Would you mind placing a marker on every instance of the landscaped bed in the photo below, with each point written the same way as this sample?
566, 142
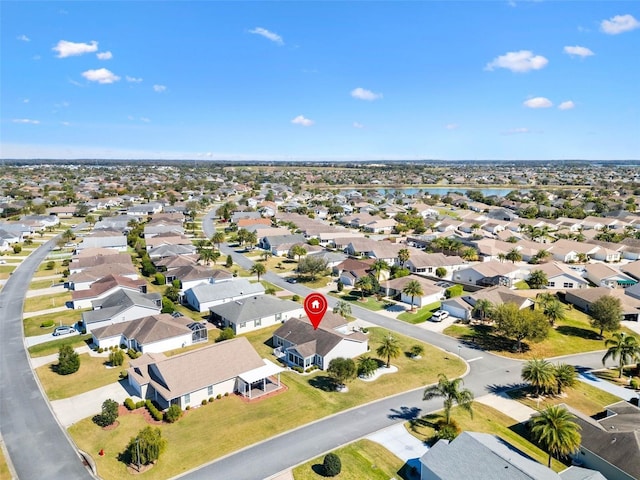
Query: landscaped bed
241, 423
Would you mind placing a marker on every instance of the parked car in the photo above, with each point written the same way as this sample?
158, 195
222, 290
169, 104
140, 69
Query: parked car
63, 330
292, 280
439, 315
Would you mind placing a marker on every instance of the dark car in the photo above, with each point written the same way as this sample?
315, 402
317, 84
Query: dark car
63, 330
292, 280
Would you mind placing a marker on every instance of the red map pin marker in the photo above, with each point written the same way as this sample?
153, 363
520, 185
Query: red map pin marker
315, 306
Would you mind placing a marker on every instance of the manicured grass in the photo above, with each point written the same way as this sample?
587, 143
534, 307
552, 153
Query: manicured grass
43, 302
242, 424
583, 397
613, 375
4, 468
361, 459
570, 336
354, 297
37, 284
67, 317
47, 273
49, 348
421, 315
485, 420
93, 373
268, 285
58, 266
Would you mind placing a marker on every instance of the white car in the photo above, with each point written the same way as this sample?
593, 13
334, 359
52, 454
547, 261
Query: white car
439, 315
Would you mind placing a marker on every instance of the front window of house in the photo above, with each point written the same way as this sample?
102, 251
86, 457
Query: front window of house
187, 399
210, 390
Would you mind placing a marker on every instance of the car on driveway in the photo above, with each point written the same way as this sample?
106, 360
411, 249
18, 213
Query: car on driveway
439, 315
63, 330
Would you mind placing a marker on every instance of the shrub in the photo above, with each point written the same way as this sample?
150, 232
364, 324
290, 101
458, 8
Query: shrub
203, 402
447, 431
173, 413
50, 265
116, 358
188, 407
295, 298
226, 334
635, 383
47, 324
210, 399
140, 404
331, 465
226, 394
101, 350
229, 262
66, 262
219, 396
454, 291
155, 413
68, 360
109, 413
270, 291
129, 404
17, 249
340, 286
146, 447
167, 306
133, 354
124, 374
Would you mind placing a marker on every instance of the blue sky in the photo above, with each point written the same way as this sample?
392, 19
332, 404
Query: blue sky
309, 80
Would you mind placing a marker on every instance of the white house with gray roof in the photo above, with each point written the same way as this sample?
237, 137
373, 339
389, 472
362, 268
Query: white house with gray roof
121, 306
207, 295
252, 313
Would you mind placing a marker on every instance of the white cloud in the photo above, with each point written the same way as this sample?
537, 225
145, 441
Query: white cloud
23, 38
26, 100
63, 104
71, 49
516, 131
567, 105
619, 24
159, 88
301, 120
26, 120
538, 102
357, 125
145, 119
451, 126
364, 94
133, 79
274, 37
579, 51
104, 55
101, 75
520, 61
66, 124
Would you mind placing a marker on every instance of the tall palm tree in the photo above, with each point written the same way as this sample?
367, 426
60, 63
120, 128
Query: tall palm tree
414, 289
389, 348
554, 311
378, 266
403, 256
540, 374
566, 376
342, 308
483, 308
258, 269
452, 393
218, 238
625, 348
298, 251
556, 431
365, 284
513, 255
502, 257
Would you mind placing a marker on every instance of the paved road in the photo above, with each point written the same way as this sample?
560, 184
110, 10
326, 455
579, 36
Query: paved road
38, 447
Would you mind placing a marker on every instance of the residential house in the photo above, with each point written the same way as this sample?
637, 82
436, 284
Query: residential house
431, 292
569, 251
80, 263
279, 245
104, 287
176, 261
63, 212
191, 377
144, 210
252, 313
604, 276
206, 295
462, 307
611, 444
85, 278
427, 263
560, 276
583, 298
152, 334
482, 456
489, 273
385, 225
350, 270
297, 343
164, 251
106, 238
166, 238
121, 306
191, 275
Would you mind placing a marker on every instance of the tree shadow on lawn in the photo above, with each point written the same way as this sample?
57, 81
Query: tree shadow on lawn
323, 382
578, 332
429, 420
483, 337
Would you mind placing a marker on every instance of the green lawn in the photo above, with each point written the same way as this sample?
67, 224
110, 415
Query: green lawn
32, 324
612, 375
44, 302
421, 315
570, 336
242, 424
370, 303
363, 459
93, 373
583, 397
38, 284
5, 474
49, 348
485, 420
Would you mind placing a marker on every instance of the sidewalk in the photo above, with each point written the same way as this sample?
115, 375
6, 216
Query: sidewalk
505, 404
45, 291
624, 393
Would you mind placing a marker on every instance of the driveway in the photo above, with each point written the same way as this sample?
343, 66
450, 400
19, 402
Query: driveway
401, 443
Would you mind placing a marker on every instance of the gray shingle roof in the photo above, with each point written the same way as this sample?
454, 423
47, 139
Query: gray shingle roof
121, 301
252, 308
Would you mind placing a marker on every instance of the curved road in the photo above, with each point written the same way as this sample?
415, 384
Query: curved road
487, 373
38, 446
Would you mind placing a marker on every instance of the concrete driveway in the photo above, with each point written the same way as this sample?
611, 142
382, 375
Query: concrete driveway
401, 443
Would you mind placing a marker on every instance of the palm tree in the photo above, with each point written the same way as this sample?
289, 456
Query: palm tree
364, 283
483, 308
452, 393
414, 289
206, 255
540, 374
389, 348
623, 347
298, 251
342, 308
537, 279
469, 254
502, 257
258, 269
218, 238
378, 266
566, 376
367, 366
556, 431
554, 311
513, 255
403, 256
